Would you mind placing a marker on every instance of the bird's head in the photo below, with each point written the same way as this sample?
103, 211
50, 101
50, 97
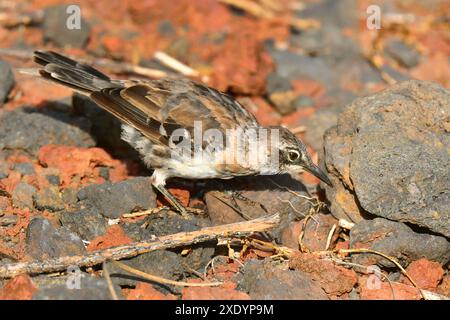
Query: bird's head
294, 157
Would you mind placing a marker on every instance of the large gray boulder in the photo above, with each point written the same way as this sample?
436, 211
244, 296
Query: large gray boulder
389, 156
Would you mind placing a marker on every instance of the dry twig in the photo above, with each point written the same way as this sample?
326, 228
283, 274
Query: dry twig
134, 249
109, 282
13, 19
174, 64
270, 12
330, 236
161, 280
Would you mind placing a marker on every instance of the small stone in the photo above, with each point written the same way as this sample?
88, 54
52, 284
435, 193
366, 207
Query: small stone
22, 195
114, 236
90, 288
41, 128
8, 220
317, 124
56, 30
5, 202
302, 102
88, 223
49, 199
387, 291
6, 81
113, 200
166, 28
162, 263
4, 169
69, 196
145, 291
275, 83
53, 179
406, 55
43, 241
18, 288
264, 280
397, 240
334, 280
283, 101
292, 66
24, 168
427, 274
444, 287
104, 173
336, 14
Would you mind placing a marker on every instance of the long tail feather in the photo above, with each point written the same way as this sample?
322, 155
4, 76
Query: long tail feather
68, 72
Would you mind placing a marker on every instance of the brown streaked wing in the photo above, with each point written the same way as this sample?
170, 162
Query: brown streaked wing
178, 103
111, 100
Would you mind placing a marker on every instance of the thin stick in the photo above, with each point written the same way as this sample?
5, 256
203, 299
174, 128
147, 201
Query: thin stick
109, 282
344, 224
137, 248
330, 236
144, 212
11, 20
259, 11
251, 7
298, 129
161, 280
174, 64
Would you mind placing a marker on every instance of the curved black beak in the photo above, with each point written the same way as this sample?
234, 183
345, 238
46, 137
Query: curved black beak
319, 173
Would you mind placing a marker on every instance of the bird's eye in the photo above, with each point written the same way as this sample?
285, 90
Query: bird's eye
293, 155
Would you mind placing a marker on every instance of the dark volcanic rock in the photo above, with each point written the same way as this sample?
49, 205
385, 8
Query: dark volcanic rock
168, 263
162, 263
317, 124
45, 241
291, 66
57, 31
86, 287
270, 192
280, 93
163, 223
4, 168
22, 196
114, 199
266, 281
397, 240
6, 81
29, 131
340, 14
283, 101
49, 199
404, 54
276, 83
25, 168
88, 223
389, 155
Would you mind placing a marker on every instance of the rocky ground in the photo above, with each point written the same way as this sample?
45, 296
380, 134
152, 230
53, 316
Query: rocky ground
372, 105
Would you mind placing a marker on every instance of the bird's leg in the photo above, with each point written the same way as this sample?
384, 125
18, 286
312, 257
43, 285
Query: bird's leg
172, 200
